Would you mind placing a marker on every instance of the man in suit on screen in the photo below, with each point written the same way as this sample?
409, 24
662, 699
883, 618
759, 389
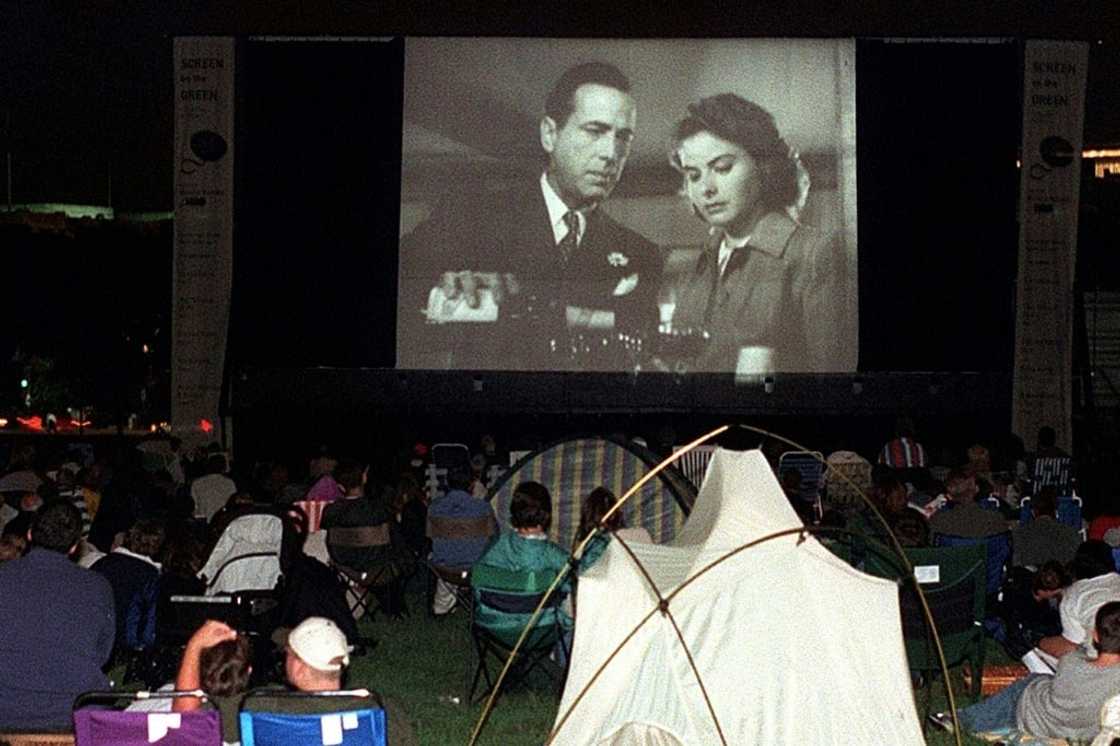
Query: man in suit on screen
549, 279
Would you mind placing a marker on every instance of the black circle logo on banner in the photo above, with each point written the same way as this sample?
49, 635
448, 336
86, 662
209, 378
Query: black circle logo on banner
1056, 151
208, 145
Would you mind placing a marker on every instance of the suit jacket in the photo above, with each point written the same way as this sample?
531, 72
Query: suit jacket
508, 232
785, 290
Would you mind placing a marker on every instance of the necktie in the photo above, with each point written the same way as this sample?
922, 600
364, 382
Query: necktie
570, 240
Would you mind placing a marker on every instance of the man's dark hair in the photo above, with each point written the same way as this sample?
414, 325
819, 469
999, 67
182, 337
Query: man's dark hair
223, 669
1093, 559
1046, 501
957, 477
216, 464
1108, 628
458, 478
561, 99
348, 473
531, 506
146, 537
57, 527
1052, 576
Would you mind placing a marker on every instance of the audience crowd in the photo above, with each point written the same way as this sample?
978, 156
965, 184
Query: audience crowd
95, 547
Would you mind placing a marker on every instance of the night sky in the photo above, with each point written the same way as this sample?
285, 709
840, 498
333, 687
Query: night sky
88, 86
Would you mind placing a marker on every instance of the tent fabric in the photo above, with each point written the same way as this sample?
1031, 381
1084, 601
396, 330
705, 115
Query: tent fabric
792, 644
572, 468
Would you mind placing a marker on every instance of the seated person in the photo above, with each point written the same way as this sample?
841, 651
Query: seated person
1096, 584
58, 626
1065, 705
1044, 539
457, 552
354, 509
525, 548
598, 504
964, 516
315, 660
215, 660
133, 573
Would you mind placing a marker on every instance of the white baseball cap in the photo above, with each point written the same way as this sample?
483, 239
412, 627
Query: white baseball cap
320, 644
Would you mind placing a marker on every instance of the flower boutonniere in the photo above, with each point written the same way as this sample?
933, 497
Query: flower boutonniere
617, 259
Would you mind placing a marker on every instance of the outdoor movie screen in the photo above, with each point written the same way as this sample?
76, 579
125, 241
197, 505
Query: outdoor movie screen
628, 205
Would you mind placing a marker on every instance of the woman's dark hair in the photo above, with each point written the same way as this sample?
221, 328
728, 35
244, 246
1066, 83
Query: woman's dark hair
752, 128
223, 669
595, 506
531, 506
349, 473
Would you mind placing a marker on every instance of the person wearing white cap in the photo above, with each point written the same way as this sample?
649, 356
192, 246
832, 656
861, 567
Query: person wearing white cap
317, 654
316, 658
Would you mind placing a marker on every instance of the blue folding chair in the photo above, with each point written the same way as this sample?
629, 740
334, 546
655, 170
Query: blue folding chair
1069, 513
810, 465
998, 553
339, 725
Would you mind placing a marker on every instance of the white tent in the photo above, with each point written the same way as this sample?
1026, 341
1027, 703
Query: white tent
792, 645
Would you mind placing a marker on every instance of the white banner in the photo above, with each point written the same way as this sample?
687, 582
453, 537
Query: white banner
1050, 181
203, 253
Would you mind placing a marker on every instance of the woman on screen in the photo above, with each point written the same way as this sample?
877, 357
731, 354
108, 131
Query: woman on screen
767, 292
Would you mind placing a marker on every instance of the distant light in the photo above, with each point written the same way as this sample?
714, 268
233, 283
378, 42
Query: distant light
35, 423
152, 428
145, 349
24, 383
206, 425
1101, 153
3, 421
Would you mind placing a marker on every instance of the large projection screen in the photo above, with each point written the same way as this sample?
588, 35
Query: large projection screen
740, 258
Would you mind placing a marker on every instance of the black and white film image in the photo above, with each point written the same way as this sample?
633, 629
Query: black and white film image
654, 205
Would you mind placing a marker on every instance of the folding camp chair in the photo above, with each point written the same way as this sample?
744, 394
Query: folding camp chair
1069, 513
954, 582
94, 726
457, 579
514, 595
694, 464
997, 553
382, 575
810, 466
1055, 471
342, 718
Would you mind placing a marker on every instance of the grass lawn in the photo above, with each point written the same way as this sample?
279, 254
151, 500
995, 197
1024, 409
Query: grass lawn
423, 662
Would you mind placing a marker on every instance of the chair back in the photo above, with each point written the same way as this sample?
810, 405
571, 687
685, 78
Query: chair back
333, 720
246, 556
447, 528
694, 464
1054, 471
514, 594
954, 582
359, 537
991, 502
810, 465
100, 727
848, 473
1069, 512
997, 552
313, 509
